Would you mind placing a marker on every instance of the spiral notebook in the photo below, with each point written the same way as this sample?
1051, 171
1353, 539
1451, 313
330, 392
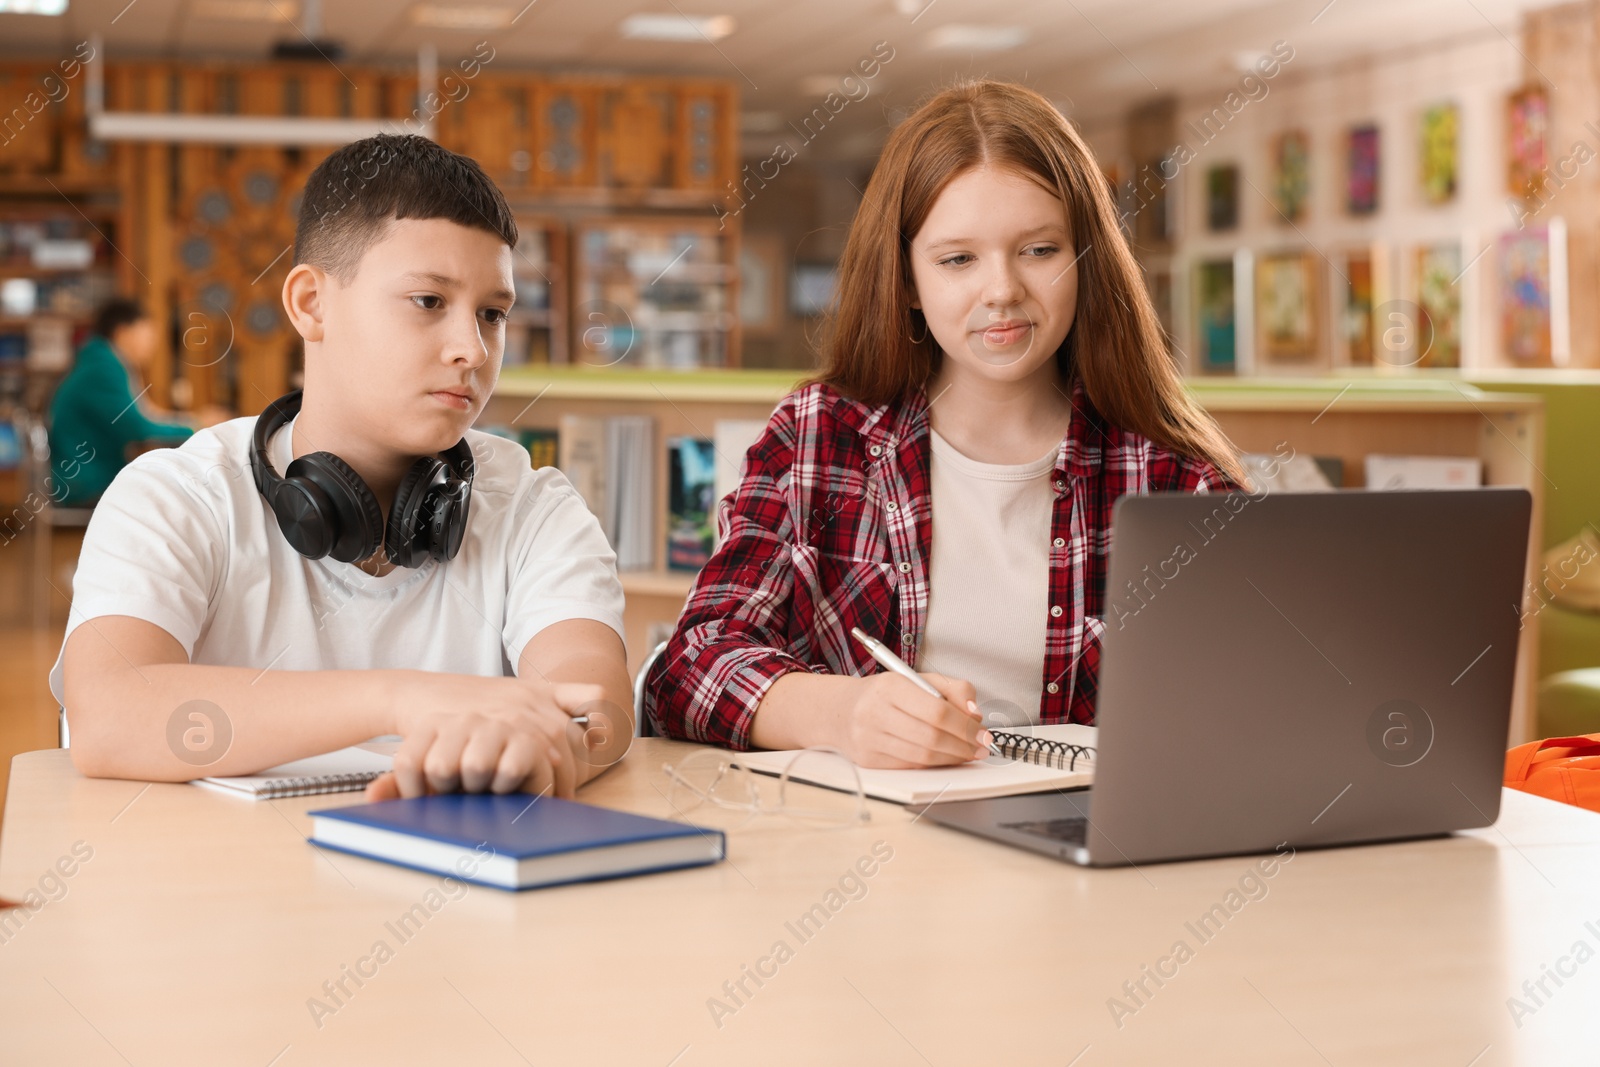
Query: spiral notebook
343, 771
1037, 760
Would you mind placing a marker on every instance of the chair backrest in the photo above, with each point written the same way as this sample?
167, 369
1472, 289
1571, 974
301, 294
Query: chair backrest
36, 438
46, 486
641, 725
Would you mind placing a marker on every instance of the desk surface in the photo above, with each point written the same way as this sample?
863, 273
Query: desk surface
202, 929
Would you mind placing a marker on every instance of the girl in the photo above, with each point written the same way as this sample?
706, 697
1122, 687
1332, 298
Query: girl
994, 374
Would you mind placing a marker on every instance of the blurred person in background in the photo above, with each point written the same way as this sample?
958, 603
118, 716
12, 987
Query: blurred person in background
96, 415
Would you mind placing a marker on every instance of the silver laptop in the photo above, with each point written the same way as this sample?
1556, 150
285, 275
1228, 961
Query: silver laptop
1303, 668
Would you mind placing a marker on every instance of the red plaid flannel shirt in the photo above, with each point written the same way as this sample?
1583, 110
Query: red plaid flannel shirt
831, 527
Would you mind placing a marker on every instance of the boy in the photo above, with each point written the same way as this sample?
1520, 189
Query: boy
214, 628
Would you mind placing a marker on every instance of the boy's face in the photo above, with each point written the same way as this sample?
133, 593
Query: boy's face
412, 345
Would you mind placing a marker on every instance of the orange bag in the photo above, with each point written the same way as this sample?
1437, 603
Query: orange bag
1560, 768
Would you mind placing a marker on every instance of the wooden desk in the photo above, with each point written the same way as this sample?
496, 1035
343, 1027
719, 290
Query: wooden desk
202, 926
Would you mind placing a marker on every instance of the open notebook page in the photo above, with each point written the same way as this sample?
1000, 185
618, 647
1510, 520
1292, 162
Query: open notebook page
993, 777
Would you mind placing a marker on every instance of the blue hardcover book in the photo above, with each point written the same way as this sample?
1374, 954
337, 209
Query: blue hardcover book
513, 840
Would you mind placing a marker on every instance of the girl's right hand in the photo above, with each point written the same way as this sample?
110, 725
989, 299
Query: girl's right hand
892, 723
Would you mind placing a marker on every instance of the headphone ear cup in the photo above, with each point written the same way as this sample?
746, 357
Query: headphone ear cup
355, 525
450, 523
406, 537
304, 514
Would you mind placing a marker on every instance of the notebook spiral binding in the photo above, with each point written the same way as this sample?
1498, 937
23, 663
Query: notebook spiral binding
322, 783
1040, 750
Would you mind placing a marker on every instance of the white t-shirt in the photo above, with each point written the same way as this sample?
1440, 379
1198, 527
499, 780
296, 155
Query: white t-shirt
989, 579
183, 540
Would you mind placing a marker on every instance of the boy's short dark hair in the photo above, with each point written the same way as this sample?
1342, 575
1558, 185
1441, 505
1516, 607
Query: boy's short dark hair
115, 313
352, 196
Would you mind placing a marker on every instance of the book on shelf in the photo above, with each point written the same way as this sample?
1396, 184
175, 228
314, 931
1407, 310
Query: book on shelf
630, 489
611, 462
543, 446
1423, 472
731, 439
50, 345
691, 463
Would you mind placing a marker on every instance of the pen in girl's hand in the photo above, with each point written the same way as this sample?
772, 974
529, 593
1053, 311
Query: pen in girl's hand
880, 652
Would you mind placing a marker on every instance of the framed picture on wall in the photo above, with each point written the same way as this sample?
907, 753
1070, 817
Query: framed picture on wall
1287, 309
1437, 282
811, 288
761, 284
1527, 129
1525, 296
1222, 198
1159, 280
1361, 185
1215, 336
1291, 159
1356, 289
1438, 176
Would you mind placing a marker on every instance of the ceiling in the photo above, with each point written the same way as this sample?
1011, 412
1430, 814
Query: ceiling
1093, 57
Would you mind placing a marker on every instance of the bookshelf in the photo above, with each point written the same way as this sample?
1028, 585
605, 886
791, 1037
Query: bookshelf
536, 329
57, 263
202, 230
655, 292
1346, 418
682, 405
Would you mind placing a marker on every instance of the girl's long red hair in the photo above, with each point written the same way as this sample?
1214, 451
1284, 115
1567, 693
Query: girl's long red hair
1116, 345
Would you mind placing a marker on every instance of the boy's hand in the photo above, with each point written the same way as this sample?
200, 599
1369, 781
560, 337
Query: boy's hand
487, 734
892, 723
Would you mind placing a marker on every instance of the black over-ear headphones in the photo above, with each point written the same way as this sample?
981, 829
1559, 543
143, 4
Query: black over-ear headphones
324, 508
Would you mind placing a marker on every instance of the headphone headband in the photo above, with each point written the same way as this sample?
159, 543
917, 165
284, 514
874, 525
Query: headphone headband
324, 508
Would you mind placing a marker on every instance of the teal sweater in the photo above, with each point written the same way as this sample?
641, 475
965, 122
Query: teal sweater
93, 419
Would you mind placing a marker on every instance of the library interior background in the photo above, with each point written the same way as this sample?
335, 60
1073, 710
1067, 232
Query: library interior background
1371, 230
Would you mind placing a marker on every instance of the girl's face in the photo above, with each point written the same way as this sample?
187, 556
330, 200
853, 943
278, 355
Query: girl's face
995, 273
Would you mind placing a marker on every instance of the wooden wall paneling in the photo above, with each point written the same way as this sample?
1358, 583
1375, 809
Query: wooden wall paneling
454, 121
202, 307
564, 134
401, 102
28, 122
119, 86
478, 124
520, 157
335, 96
365, 98
705, 142
261, 89
259, 180
492, 120
155, 231
324, 93
83, 161
131, 250
729, 119
637, 120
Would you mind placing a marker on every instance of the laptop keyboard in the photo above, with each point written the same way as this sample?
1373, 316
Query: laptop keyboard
1071, 831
